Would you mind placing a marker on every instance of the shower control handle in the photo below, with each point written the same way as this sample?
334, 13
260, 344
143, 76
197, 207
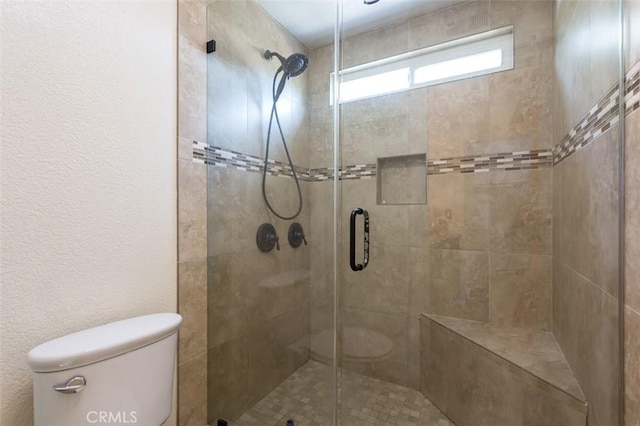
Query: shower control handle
296, 235
266, 238
352, 239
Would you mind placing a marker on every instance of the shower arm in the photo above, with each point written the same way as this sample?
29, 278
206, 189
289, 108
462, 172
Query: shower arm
269, 55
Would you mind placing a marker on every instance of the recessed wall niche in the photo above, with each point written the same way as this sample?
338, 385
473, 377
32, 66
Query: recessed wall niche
402, 180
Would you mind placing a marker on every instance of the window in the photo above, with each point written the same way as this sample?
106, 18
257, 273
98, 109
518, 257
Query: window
472, 56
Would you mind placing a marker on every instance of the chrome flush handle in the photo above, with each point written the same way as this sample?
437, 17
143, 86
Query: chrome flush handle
74, 385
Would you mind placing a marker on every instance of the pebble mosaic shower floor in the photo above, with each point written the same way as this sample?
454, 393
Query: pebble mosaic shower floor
306, 396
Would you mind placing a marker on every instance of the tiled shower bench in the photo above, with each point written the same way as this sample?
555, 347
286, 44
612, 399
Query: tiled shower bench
481, 374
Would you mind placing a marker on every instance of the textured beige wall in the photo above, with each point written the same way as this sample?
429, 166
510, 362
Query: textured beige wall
481, 248
88, 174
585, 191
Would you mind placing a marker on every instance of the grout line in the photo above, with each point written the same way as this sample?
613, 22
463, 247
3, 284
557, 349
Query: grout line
585, 278
183, 363
632, 309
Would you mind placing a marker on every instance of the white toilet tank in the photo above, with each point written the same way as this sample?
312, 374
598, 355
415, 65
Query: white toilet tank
115, 374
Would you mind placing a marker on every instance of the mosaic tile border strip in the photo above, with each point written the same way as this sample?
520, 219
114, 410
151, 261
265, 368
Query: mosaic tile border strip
357, 171
632, 89
508, 161
220, 157
602, 117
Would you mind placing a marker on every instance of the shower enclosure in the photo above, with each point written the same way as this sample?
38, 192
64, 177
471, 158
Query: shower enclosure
446, 246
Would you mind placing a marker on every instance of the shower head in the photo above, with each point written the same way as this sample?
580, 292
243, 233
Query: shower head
292, 66
295, 64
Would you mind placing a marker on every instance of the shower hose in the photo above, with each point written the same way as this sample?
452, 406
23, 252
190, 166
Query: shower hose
274, 113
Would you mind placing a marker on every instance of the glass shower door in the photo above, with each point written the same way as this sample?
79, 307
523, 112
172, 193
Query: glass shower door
488, 175
269, 158
383, 161
482, 140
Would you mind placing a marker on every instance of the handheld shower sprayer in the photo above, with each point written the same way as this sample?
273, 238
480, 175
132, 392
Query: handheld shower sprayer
292, 66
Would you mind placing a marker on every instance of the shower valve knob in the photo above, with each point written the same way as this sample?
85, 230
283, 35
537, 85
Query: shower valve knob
266, 238
296, 235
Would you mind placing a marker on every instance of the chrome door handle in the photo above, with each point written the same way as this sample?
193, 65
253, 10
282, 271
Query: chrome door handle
352, 239
73, 385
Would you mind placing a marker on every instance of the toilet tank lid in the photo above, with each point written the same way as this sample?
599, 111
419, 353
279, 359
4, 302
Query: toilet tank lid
102, 342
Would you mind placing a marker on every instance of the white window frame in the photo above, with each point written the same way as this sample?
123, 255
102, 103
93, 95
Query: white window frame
406, 65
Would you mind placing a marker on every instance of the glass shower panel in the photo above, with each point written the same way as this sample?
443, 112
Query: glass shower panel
383, 157
493, 206
492, 248
270, 285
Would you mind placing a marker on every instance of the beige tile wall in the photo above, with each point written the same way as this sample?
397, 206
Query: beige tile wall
321, 205
192, 211
489, 218
473, 386
258, 303
243, 80
632, 232
481, 247
586, 58
632, 34
239, 98
585, 201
